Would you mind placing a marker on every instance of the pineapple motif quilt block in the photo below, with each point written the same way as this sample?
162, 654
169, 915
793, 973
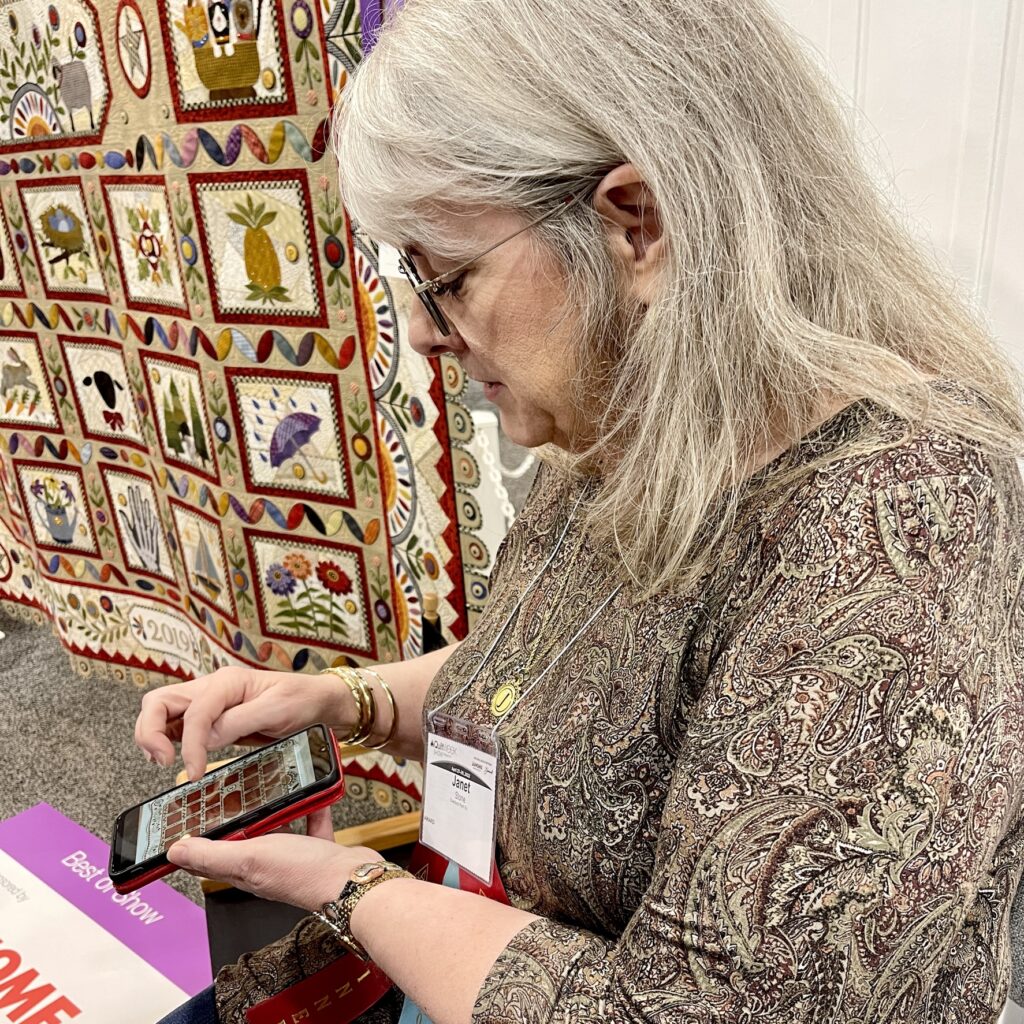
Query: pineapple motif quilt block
257, 247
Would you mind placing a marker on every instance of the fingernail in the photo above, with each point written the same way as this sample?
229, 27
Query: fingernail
181, 853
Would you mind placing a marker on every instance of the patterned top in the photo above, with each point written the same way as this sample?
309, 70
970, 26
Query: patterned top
790, 794
787, 795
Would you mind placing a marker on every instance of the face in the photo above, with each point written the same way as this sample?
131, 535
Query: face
510, 329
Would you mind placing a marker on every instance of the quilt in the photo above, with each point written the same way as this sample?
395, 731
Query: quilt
216, 448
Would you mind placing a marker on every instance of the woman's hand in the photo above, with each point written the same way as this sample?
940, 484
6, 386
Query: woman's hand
235, 705
305, 871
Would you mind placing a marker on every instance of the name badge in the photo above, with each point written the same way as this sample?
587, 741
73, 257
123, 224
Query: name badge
460, 793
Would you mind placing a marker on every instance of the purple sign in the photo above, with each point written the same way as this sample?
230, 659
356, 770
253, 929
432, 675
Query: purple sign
156, 922
371, 19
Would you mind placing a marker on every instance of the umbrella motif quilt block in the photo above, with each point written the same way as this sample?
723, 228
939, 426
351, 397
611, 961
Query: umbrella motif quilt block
292, 434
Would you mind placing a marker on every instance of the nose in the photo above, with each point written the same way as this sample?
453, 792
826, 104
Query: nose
424, 336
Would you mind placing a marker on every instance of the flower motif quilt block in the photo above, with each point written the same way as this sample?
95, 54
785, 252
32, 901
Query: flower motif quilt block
146, 246
313, 590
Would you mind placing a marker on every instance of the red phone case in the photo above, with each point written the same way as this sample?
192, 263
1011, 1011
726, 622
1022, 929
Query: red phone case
299, 809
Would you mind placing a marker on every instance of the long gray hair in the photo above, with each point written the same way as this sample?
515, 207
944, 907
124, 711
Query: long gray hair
788, 272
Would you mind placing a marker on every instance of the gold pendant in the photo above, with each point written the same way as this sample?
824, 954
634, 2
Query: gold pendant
504, 699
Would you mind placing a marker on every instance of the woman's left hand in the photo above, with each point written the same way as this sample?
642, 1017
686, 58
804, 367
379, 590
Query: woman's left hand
305, 871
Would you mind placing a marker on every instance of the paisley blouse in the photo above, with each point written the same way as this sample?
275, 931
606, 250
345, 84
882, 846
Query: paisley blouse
790, 793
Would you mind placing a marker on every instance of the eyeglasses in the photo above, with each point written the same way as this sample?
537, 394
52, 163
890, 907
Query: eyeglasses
426, 290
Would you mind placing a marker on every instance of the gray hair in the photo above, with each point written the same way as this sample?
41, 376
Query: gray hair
788, 271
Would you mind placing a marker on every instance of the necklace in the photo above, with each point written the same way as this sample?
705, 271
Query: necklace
509, 692
509, 695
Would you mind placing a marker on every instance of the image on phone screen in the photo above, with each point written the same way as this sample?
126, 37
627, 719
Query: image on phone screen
228, 798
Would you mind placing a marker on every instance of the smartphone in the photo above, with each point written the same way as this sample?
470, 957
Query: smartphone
250, 796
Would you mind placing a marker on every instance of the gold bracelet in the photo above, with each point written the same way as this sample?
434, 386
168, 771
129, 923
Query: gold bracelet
368, 713
363, 697
394, 710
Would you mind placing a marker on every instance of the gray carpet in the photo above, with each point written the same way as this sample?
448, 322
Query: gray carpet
67, 740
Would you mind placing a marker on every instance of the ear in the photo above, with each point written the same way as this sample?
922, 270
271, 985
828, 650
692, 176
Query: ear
631, 215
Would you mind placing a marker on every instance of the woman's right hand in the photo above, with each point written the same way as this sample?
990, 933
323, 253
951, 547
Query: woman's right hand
233, 705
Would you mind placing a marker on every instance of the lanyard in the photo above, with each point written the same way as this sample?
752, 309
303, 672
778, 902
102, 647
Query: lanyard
512, 614
554, 661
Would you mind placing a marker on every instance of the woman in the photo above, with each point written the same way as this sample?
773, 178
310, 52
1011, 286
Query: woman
758, 625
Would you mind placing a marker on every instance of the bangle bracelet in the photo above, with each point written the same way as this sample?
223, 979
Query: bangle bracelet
394, 711
363, 697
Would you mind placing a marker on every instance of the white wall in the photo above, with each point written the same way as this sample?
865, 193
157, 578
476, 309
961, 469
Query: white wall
939, 90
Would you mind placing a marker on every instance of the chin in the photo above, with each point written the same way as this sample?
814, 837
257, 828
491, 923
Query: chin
526, 435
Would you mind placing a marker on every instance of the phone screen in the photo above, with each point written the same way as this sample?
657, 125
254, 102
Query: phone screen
225, 799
